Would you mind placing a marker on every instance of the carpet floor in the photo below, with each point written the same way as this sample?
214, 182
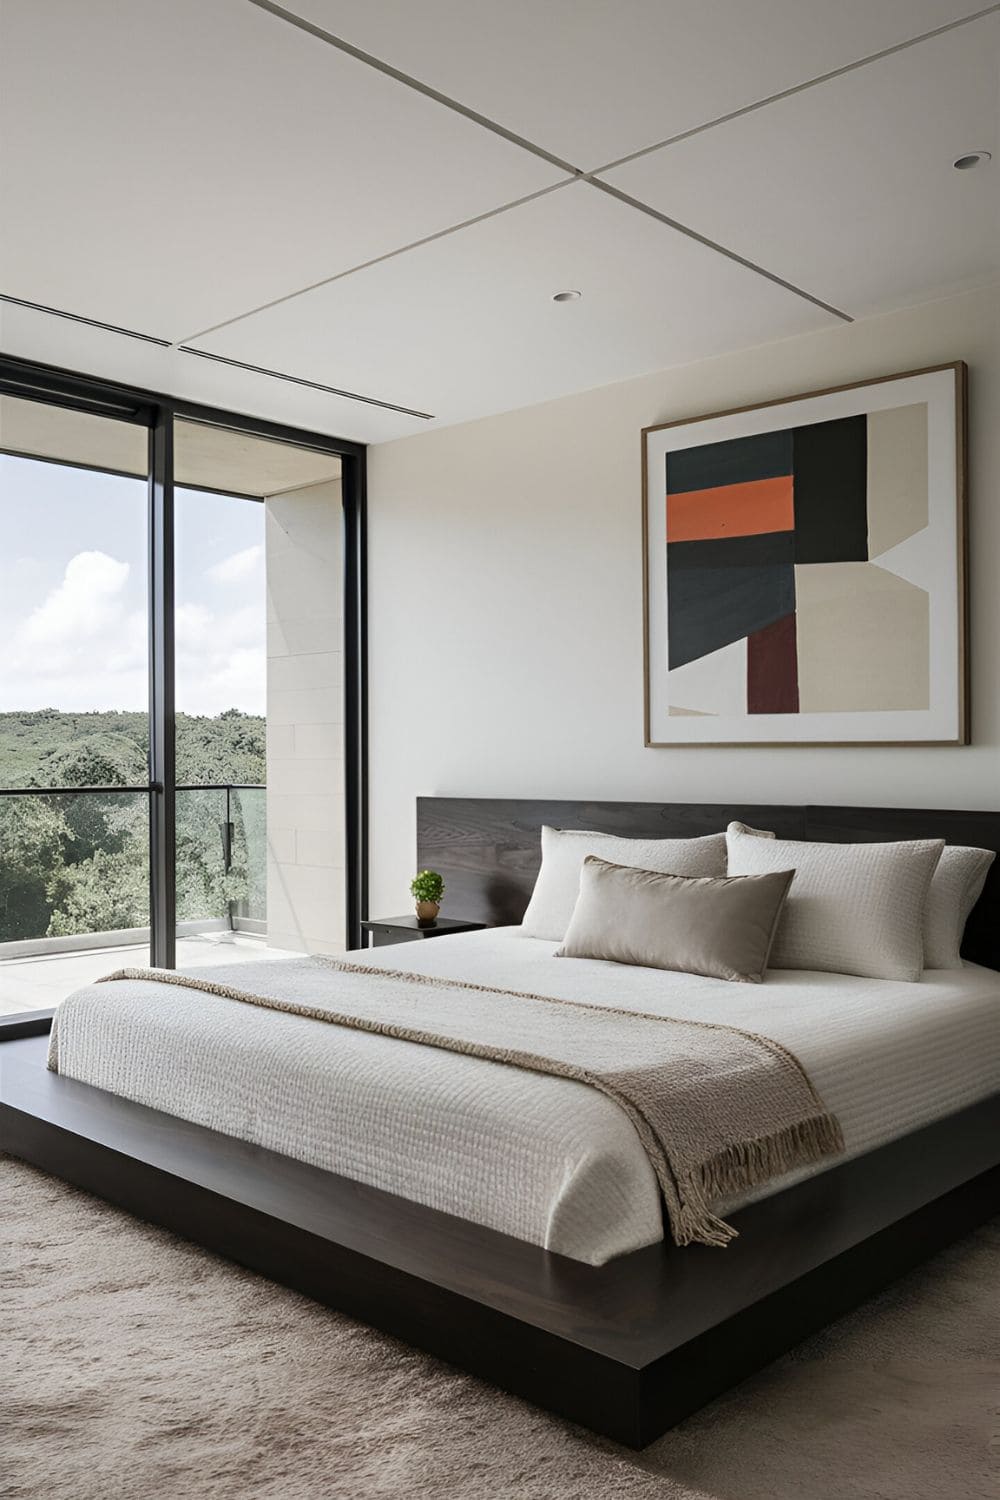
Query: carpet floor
134, 1366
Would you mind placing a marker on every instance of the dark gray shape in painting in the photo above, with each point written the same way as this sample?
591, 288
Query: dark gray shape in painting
708, 608
831, 491
762, 455
733, 551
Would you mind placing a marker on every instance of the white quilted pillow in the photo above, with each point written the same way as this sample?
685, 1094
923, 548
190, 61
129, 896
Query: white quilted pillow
564, 850
957, 885
852, 908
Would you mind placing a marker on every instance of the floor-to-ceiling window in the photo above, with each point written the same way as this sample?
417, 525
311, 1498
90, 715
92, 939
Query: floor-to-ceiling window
177, 771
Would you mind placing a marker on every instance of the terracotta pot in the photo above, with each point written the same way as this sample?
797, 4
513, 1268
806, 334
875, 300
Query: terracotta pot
427, 912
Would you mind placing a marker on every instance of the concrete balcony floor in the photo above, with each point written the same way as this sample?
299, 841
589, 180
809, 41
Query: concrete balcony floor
43, 981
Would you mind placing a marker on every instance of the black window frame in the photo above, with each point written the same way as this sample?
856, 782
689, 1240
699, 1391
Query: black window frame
157, 412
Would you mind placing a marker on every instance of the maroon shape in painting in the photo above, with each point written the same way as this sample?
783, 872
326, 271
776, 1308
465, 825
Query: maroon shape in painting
773, 669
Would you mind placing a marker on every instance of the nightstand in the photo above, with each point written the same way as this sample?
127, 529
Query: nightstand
405, 929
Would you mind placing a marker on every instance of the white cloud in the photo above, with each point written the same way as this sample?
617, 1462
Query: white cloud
88, 599
221, 659
211, 682
239, 566
192, 622
85, 646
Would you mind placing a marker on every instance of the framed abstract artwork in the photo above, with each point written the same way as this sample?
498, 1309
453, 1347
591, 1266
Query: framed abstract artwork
804, 569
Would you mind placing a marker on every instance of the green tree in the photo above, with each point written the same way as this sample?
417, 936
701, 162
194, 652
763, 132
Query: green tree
78, 863
34, 838
106, 892
231, 747
98, 760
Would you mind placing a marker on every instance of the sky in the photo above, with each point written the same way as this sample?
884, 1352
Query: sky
73, 593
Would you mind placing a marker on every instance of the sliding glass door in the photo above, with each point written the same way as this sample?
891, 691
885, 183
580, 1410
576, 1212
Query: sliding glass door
182, 688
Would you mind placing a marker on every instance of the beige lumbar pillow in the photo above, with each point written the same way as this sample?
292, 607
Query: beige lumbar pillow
855, 908
565, 849
716, 926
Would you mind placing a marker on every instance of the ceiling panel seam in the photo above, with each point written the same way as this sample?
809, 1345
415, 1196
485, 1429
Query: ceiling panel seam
59, 312
798, 88
376, 260
165, 344
315, 385
701, 239
320, 32
281, 12
574, 174
587, 178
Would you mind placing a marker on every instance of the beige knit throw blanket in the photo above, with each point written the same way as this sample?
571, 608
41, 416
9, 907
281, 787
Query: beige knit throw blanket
718, 1110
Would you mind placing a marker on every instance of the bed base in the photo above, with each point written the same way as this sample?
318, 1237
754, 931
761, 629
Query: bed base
627, 1349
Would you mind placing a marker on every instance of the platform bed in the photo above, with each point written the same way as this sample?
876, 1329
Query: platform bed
626, 1349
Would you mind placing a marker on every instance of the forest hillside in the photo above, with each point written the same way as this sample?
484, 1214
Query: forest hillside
79, 863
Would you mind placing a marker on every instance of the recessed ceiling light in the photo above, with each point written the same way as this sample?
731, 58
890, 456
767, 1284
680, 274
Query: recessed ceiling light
567, 296
971, 159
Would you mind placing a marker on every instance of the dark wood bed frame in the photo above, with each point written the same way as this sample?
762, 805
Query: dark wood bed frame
627, 1349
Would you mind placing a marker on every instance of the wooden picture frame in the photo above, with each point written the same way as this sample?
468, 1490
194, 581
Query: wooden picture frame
808, 585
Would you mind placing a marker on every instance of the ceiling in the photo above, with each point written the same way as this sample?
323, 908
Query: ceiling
377, 200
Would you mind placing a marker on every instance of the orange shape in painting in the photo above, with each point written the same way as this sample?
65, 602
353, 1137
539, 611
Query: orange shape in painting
731, 510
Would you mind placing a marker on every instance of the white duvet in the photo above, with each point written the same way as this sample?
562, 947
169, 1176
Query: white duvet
545, 1159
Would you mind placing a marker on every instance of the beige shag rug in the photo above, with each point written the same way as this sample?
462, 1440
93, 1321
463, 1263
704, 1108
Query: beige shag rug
136, 1367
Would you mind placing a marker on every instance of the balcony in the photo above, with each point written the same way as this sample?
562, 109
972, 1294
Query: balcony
74, 885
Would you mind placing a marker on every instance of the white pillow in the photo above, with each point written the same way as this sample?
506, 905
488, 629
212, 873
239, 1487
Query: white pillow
852, 909
957, 885
564, 850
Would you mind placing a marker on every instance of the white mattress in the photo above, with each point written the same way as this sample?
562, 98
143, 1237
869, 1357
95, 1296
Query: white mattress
546, 1159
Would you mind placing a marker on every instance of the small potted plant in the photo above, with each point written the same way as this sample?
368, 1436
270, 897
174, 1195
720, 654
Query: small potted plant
427, 888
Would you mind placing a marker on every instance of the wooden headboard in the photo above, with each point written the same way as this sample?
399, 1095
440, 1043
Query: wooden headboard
487, 848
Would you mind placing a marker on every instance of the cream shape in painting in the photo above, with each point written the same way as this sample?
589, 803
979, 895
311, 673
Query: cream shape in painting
712, 684
863, 639
897, 476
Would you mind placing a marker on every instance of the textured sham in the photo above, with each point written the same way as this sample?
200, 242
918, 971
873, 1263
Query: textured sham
854, 908
563, 853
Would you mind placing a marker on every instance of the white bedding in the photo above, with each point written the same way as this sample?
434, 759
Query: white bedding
546, 1159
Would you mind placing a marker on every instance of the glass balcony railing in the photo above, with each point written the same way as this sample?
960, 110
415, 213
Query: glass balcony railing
74, 865
222, 855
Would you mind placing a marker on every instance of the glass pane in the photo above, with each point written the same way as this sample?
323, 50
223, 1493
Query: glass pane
249, 807
202, 894
221, 617
222, 858
74, 869
259, 693
221, 692
74, 672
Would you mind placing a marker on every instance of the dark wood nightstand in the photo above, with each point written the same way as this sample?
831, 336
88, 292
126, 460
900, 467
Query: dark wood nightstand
405, 929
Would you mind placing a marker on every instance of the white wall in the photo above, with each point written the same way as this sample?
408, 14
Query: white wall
305, 744
505, 598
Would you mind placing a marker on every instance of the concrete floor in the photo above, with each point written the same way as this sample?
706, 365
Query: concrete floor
41, 982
